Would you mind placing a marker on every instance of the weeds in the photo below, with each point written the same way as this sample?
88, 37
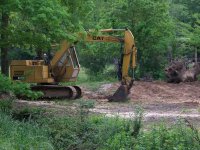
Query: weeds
27, 114
137, 121
19, 135
84, 131
32, 130
6, 105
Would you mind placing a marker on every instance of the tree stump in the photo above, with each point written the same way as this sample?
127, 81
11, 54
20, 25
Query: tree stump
181, 71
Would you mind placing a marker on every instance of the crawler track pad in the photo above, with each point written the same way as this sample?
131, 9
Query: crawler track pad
120, 95
57, 91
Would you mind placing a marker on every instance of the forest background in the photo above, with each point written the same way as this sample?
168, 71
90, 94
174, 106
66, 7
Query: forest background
163, 29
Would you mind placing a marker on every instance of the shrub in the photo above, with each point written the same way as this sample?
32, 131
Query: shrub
5, 84
18, 88
23, 90
178, 136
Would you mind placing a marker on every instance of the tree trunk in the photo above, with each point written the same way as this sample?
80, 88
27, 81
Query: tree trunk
196, 56
4, 46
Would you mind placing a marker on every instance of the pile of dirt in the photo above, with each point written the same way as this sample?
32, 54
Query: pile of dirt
156, 91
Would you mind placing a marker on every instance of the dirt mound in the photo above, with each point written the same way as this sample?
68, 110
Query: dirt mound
156, 91
161, 91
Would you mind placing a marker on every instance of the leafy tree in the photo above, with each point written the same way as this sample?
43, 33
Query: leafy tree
150, 23
186, 14
7, 9
35, 24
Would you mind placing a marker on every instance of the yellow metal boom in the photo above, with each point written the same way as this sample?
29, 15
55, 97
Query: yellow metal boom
129, 52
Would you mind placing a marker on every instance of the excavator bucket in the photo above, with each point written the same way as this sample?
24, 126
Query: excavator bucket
120, 95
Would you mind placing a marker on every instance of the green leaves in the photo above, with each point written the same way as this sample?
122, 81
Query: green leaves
18, 88
156, 24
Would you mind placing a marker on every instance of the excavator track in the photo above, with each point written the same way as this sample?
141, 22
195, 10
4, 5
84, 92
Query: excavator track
58, 91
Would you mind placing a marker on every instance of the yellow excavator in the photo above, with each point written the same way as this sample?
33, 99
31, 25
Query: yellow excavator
65, 67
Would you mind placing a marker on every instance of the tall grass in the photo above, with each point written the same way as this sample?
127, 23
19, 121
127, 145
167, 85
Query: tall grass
84, 131
15, 135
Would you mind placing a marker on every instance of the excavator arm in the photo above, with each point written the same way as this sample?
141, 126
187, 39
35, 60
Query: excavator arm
128, 58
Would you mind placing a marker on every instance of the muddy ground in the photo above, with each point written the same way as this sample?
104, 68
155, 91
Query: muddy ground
159, 100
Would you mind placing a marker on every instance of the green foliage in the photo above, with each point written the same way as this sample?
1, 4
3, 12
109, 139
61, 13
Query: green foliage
18, 88
178, 136
19, 135
23, 90
84, 131
137, 121
96, 56
6, 105
27, 114
186, 17
98, 132
5, 85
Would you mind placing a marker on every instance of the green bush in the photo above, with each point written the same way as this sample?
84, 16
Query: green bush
23, 90
178, 136
18, 88
6, 84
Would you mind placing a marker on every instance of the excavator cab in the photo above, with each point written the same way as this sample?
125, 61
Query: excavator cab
67, 67
64, 67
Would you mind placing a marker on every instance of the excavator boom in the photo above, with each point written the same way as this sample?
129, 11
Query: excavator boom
128, 58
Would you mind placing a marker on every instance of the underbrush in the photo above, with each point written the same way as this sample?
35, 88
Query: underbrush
16, 135
88, 132
19, 89
84, 131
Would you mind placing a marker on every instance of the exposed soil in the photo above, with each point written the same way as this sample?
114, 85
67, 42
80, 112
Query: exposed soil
151, 92
159, 100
